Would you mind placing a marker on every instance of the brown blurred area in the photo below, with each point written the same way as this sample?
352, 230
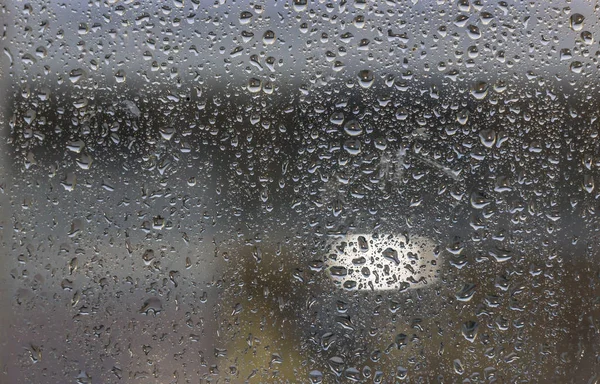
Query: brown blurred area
550, 334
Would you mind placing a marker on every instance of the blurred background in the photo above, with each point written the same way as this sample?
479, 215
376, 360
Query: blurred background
299, 191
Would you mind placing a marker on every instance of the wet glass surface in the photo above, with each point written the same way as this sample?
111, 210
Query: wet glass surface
299, 191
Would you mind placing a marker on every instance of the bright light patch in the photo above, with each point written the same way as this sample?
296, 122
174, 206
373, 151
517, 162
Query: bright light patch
383, 262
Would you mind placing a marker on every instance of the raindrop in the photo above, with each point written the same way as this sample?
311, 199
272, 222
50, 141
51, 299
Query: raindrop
473, 32
487, 137
167, 132
458, 367
353, 147
479, 90
588, 183
469, 330
300, 5
254, 85
576, 22
587, 37
268, 37
576, 67
337, 118
391, 255
365, 78
245, 17
120, 76
353, 128
76, 75
151, 306
76, 146
466, 293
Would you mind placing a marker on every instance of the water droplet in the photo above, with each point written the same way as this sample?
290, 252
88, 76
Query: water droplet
353, 147
486, 17
245, 17
401, 373
479, 201
254, 85
479, 90
587, 37
466, 293
148, 257
73, 264
337, 271
84, 161
167, 132
462, 117
363, 244
458, 367
487, 137
120, 76
76, 145
76, 75
337, 118
469, 330
300, 5
268, 37
473, 32
316, 377
151, 306
69, 181
500, 255
588, 183
359, 21
576, 21
35, 353
576, 67
83, 378
353, 128
391, 254
461, 20
365, 78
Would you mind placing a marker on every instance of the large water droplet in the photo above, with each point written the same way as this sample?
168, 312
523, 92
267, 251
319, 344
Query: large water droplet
576, 21
352, 146
487, 137
469, 330
353, 128
365, 78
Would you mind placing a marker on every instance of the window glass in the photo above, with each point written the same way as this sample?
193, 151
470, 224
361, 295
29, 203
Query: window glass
305, 191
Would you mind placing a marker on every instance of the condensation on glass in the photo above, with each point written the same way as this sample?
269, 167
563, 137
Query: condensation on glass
303, 191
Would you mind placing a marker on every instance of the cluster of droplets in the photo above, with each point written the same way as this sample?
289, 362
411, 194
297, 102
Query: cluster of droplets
373, 263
